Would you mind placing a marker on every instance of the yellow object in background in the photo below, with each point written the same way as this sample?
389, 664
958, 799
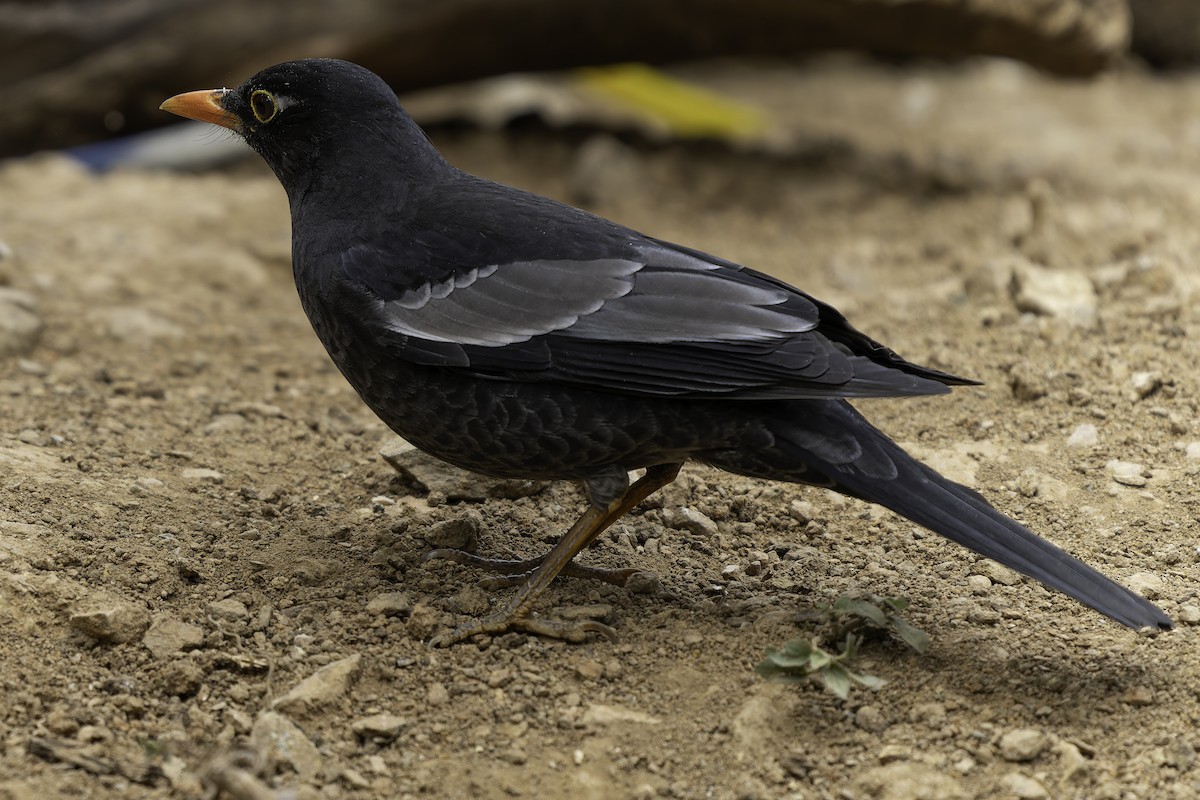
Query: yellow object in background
684, 109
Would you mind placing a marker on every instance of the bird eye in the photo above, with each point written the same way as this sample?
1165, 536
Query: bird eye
264, 105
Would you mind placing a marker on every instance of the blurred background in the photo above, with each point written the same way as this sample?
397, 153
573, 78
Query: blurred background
75, 72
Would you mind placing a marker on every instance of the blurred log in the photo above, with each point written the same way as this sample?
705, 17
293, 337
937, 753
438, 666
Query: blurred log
1167, 32
75, 71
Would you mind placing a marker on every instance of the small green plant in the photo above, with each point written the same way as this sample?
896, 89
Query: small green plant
850, 621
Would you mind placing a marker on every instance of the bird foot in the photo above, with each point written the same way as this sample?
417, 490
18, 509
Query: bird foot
573, 631
514, 573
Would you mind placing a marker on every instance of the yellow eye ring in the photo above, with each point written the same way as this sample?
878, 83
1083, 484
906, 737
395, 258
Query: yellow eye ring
264, 106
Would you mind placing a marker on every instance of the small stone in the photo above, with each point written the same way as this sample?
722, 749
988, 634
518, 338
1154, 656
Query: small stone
1083, 436
891, 753
182, 677
225, 423
321, 688
802, 511
907, 780
110, 619
168, 636
1126, 473
140, 325
1189, 614
979, 584
1147, 584
588, 669
460, 533
1070, 761
1022, 744
1138, 696
998, 573
281, 741
689, 519
20, 325
1193, 451
390, 604
355, 779
437, 695
380, 726
202, 475
932, 714
870, 719
598, 714
229, 609
1145, 383
1064, 294
1024, 787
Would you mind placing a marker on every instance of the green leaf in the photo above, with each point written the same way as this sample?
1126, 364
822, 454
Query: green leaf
869, 681
912, 636
837, 680
861, 608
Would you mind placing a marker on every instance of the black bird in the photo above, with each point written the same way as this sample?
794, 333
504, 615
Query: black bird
516, 336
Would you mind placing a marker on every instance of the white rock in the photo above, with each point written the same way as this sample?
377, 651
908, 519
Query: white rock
280, 741
1085, 435
1063, 294
1126, 473
321, 688
1024, 787
1022, 744
1147, 584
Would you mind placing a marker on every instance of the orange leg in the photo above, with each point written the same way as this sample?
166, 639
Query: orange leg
515, 613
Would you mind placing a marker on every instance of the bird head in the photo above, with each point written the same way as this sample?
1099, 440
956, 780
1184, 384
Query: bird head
315, 116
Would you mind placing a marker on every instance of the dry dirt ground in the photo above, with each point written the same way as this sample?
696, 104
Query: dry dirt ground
178, 453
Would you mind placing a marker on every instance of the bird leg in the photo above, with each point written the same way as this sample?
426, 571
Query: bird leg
515, 613
513, 572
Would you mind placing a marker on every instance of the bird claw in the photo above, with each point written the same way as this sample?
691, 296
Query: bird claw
573, 631
514, 573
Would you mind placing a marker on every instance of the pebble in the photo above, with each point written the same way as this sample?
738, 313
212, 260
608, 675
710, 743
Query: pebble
891, 753
1060, 293
908, 780
168, 635
321, 688
140, 325
390, 604
1126, 473
1148, 584
110, 619
437, 694
1193, 450
380, 726
202, 475
588, 669
690, 520
599, 714
1022, 744
1145, 383
1189, 614
870, 719
229, 609
460, 533
1138, 696
1024, 787
182, 677
979, 584
1084, 435
20, 325
1070, 761
280, 741
998, 573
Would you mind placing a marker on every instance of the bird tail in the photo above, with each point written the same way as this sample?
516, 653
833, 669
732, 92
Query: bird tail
876, 469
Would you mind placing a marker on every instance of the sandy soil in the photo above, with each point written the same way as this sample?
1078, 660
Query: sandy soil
177, 452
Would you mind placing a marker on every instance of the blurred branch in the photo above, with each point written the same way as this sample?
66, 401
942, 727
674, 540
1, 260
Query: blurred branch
73, 71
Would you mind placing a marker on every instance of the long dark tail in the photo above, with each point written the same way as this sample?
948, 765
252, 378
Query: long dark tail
833, 440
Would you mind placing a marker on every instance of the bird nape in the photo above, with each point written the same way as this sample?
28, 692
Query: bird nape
516, 336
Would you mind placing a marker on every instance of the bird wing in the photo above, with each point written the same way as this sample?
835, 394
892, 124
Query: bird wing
627, 314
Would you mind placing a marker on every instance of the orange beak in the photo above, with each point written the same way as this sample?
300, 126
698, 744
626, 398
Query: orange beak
205, 106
